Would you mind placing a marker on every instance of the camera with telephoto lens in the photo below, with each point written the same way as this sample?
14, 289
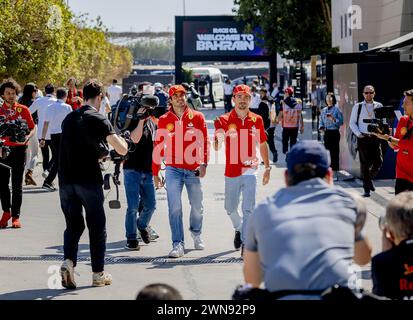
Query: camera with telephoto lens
380, 125
15, 130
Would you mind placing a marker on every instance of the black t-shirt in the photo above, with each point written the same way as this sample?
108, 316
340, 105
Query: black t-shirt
140, 154
392, 272
82, 132
264, 111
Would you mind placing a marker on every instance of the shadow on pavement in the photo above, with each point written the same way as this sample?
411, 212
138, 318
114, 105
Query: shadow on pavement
40, 294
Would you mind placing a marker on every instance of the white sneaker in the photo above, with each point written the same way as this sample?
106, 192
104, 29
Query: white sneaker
101, 279
45, 174
67, 272
198, 243
177, 251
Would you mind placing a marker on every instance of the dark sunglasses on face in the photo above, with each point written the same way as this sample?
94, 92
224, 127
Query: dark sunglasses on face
368, 92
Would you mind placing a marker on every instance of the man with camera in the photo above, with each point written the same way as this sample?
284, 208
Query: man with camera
182, 142
80, 183
402, 142
369, 147
139, 185
308, 234
18, 116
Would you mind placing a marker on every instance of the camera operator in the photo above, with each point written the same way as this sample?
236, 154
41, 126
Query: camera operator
163, 100
369, 147
305, 236
11, 110
80, 182
402, 142
139, 185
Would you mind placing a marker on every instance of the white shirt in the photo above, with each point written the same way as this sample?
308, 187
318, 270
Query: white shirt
274, 92
255, 101
55, 115
41, 105
367, 112
228, 89
102, 109
115, 94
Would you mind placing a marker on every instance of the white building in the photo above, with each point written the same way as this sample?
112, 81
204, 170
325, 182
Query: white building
372, 21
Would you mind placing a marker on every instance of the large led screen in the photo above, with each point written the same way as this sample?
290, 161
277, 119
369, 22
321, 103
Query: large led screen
219, 38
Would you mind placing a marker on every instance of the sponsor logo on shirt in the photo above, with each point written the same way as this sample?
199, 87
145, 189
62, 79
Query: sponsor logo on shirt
409, 270
170, 127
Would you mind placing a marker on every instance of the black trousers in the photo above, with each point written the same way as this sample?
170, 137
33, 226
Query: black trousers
89, 196
55, 146
271, 143
228, 103
371, 159
332, 144
16, 160
289, 135
47, 162
403, 185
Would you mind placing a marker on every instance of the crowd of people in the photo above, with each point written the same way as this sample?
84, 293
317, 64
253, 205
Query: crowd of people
305, 237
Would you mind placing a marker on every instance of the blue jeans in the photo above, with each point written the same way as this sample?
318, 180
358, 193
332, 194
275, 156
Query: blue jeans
138, 186
247, 185
175, 181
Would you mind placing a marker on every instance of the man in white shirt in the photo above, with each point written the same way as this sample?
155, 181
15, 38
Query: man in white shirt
40, 106
255, 98
52, 126
115, 92
369, 146
228, 88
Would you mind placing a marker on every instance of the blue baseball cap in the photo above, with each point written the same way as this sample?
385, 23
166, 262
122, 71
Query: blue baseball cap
308, 152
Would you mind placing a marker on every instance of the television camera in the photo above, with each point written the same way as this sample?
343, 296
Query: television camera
379, 124
15, 130
131, 109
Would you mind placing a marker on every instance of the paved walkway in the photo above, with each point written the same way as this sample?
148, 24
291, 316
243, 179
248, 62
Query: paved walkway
30, 257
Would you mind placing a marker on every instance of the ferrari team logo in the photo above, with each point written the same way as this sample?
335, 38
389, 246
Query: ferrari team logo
19, 110
190, 116
254, 119
170, 127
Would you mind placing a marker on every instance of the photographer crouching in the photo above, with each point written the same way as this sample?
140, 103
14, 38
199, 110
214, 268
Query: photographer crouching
402, 142
16, 128
80, 182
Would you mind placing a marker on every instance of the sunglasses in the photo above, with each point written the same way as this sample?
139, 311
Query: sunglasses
368, 92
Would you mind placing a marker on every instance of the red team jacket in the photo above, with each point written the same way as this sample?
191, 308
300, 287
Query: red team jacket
183, 143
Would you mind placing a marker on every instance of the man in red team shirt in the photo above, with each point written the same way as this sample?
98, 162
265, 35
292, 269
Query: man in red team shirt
242, 131
402, 142
9, 111
182, 141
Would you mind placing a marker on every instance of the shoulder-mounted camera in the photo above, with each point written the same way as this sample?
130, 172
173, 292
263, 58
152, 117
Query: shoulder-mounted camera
127, 113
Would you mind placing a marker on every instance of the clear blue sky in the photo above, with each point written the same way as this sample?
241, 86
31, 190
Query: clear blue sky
143, 15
